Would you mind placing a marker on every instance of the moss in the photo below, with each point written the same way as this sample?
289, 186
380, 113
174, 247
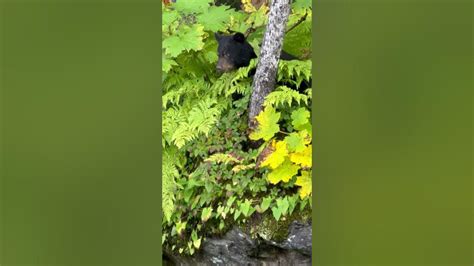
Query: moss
266, 227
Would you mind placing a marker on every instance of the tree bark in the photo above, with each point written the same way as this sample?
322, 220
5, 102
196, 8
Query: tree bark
265, 75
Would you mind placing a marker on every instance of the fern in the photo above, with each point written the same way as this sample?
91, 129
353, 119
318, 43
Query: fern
172, 118
294, 70
170, 172
203, 116
222, 158
183, 134
284, 95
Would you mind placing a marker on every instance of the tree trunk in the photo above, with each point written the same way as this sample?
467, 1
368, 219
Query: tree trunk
265, 75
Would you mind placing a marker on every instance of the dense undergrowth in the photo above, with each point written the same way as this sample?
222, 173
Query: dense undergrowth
212, 179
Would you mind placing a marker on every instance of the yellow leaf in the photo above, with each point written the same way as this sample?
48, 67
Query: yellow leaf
303, 158
267, 124
305, 182
277, 156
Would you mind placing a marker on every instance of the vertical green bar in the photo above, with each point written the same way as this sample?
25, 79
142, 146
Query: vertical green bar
80, 133
393, 123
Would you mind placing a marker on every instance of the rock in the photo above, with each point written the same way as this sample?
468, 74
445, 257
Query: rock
238, 248
299, 238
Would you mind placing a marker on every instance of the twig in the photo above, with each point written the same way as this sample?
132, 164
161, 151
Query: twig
250, 30
303, 18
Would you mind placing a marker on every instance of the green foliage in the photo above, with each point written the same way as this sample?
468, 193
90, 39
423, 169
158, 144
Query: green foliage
294, 42
212, 179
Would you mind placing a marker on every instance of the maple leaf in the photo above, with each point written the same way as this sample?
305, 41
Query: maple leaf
303, 158
216, 18
169, 16
283, 173
306, 184
267, 124
278, 155
297, 141
300, 118
188, 38
302, 4
192, 6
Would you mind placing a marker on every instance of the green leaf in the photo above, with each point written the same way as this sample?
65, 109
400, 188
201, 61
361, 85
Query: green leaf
221, 211
267, 124
192, 6
236, 214
180, 226
303, 204
169, 16
206, 214
302, 4
168, 64
215, 19
283, 205
292, 201
276, 213
194, 235
230, 201
187, 193
265, 203
245, 207
187, 39
197, 243
283, 173
296, 142
300, 118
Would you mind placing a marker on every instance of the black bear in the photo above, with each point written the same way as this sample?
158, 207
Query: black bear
235, 52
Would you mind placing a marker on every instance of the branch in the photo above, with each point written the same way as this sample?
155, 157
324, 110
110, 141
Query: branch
303, 18
252, 29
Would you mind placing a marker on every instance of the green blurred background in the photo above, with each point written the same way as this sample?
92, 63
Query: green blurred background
393, 123
80, 126
80, 133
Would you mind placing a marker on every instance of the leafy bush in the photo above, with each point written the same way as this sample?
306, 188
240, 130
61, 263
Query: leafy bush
212, 179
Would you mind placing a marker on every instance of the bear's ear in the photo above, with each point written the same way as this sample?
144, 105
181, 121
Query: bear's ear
239, 37
217, 36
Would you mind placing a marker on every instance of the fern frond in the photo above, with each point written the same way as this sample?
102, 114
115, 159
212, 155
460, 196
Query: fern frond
222, 158
169, 173
182, 135
204, 116
295, 70
172, 119
284, 95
